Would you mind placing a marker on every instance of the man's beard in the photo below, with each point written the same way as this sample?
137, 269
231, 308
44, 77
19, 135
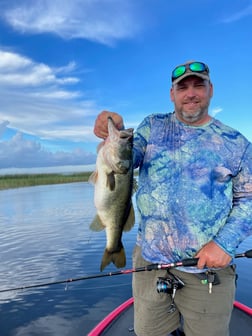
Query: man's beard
191, 118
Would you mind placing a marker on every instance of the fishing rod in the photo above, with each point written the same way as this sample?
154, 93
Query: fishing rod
184, 262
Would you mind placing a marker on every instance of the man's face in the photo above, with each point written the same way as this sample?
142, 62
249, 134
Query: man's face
191, 97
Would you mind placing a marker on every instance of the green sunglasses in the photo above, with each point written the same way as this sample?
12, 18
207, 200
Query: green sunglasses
193, 67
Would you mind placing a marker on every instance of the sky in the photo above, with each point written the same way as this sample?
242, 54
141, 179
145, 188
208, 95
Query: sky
62, 62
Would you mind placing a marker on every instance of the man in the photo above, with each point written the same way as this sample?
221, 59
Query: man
195, 200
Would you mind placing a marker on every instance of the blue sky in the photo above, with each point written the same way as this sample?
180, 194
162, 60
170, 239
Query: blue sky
62, 62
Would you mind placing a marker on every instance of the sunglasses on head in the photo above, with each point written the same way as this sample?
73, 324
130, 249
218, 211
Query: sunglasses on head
193, 67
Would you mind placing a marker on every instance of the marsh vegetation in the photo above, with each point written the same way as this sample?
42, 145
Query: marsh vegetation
27, 180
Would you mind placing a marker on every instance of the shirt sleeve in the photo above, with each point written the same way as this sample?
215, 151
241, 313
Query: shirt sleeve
239, 222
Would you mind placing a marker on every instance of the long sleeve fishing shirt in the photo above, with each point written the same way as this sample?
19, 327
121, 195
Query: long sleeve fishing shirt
195, 185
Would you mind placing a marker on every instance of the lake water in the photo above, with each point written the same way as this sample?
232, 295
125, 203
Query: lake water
45, 237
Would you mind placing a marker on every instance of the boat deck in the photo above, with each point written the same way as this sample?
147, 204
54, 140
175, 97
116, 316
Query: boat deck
125, 327
241, 324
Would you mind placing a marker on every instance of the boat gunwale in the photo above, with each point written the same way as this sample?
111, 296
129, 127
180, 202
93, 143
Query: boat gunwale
101, 326
243, 307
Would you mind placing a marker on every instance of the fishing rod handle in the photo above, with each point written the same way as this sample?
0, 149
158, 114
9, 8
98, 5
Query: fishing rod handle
189, 262
194, 261
248, 254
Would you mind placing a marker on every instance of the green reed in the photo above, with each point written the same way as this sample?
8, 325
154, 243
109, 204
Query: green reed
27, 180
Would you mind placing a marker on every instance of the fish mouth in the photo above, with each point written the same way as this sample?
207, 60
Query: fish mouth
126, 134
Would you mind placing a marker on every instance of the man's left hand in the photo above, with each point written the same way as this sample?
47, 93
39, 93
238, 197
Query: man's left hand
212, 256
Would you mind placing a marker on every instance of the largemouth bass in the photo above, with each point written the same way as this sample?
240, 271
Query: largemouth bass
113, 180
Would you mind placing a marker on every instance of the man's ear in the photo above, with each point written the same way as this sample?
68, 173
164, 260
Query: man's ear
211, 90
172, 94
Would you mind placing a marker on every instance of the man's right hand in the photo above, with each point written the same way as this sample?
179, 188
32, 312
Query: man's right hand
101, 123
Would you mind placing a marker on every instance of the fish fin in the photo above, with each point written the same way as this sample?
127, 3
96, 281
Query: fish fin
101, 144
96, 224
111, 181
93, 177
130, 220
117, 258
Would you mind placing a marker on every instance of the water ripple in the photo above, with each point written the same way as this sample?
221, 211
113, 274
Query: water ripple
45, 237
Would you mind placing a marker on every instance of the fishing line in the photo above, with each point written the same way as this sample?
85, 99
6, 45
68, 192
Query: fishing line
150, 267
81, 288
74, 289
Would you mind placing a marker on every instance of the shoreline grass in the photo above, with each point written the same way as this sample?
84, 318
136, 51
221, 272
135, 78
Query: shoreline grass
28, 180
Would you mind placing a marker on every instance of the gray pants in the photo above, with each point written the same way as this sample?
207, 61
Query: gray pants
203, 313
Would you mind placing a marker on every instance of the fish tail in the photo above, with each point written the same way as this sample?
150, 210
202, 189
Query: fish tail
118, 258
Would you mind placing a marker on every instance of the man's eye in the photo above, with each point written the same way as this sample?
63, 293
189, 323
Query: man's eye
181, 87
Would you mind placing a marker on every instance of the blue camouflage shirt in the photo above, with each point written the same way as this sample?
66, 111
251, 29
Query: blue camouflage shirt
195, 185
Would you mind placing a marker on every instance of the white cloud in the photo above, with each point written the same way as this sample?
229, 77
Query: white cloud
48, 102
40, 100
103, 21
47, 119
216, 111
3, 126
22, 153
19, 70
239, 15
12, 61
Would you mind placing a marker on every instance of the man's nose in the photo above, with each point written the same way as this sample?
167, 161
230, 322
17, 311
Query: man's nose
191, 92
